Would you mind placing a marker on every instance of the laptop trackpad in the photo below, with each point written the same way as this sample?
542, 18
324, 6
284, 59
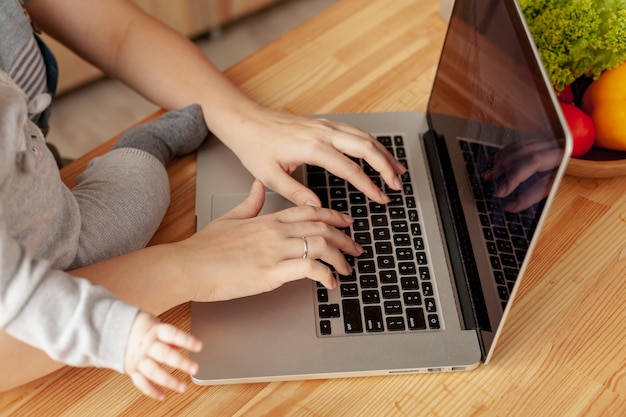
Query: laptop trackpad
222, 203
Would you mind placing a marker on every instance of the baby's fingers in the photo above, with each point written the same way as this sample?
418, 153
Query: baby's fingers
167, 355
152, 371
172, 335
146, 387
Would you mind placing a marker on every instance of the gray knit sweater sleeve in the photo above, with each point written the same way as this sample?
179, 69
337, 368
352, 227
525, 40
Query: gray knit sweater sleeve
70, 319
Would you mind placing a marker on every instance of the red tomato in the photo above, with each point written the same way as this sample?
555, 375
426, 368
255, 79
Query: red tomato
582, 127
566, 95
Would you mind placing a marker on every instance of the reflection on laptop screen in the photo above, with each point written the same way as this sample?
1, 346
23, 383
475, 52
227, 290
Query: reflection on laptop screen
495, 120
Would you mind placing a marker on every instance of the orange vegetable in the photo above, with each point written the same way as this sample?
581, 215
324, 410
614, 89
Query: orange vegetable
605, 102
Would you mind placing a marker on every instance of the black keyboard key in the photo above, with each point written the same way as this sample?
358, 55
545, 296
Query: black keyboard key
427, 289
352, 316
396, 200
322, 295
508, 260
370, 297
357, 198
430, 304
381, 233
395, 324
409, 283
316, 179
416, 319
399, 227
338, 193
390, 292
406, 268
368, 281
377, 208
325, 328
360, 225
500, 233
379, 220
383, 248
358, 211
402, 240
347, 278
322, 195
388, 277
386, 262
421, 258
363, 238
373, 319
397, 213
424, 273
516, 229
349, 290
384, 140
404, 254
433, 321
412, 298
368, 253
503, 292
327, 311
339, 205
392, 307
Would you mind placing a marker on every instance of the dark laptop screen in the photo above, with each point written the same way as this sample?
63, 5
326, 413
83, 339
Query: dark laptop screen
500, 139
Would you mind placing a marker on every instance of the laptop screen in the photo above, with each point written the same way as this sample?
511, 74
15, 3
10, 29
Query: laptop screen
495, 119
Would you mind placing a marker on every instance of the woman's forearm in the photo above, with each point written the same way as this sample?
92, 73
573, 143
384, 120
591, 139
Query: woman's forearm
147, 278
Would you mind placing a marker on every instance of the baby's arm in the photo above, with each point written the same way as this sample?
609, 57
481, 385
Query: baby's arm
152, 343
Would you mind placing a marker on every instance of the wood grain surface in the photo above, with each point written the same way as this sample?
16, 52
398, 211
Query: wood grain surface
563, 351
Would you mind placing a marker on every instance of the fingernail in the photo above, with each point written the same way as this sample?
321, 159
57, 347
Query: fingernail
397, 183
312, 203
359, 248
347, 218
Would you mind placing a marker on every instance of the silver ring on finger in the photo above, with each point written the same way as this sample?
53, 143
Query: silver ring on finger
306, 248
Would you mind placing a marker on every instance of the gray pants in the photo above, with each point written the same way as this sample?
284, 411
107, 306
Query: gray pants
123, 196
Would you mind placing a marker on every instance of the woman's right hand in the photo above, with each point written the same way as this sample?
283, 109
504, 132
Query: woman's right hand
240, 254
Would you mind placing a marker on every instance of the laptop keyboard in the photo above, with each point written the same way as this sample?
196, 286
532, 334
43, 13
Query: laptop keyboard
507, 235
390, 289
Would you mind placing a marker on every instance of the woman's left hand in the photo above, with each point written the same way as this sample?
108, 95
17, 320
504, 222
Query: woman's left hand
273, 144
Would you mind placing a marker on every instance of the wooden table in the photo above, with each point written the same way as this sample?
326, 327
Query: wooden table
563, 352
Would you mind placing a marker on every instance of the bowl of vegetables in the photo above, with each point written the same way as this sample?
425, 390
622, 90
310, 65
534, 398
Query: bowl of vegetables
582, 44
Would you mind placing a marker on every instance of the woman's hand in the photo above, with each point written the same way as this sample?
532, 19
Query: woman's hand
523, 172
152, 343
239, 254
272, 144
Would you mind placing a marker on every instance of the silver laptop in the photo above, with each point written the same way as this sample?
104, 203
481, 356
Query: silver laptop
444, 259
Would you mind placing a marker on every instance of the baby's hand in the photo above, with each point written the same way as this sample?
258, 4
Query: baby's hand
152, 343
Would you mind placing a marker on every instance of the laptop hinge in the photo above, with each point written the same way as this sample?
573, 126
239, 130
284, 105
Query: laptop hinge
461, 256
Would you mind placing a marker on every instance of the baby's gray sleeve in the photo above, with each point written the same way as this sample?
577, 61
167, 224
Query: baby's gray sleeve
70, 319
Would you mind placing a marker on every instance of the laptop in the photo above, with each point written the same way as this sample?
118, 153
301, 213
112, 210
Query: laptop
443, 260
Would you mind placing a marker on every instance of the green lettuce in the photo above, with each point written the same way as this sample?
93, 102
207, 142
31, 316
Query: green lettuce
577, 38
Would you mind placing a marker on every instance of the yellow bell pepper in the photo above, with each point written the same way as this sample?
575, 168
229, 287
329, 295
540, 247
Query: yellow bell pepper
605, 102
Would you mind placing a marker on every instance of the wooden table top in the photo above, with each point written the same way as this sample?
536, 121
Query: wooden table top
563, 351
